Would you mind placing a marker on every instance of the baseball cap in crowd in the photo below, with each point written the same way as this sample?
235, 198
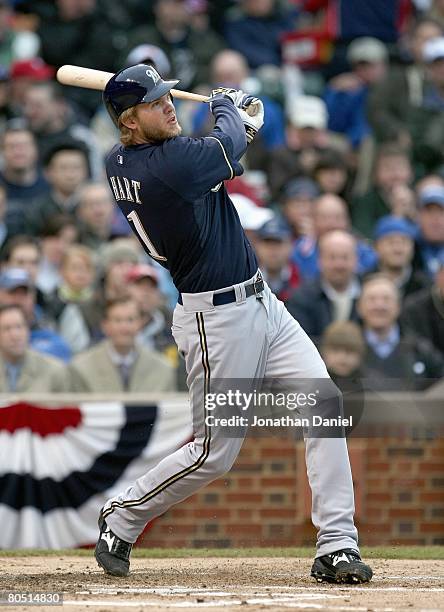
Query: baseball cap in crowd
119, 250
394, 225
301, 187
139, 271
366, 49
433, 50
34, 68
308, 112
12, 278
274, 229
146, 54
252, 217
433, 194
4, 74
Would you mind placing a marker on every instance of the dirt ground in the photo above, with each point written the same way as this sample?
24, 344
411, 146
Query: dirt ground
252, 584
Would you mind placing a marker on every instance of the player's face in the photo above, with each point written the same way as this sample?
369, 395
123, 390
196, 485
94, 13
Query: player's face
155, 121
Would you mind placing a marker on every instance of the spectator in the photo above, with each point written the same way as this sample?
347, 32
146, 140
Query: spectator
426, 124
331, 297
66, 169
150, 54
306, 137
24, 251
423, 312
81, 323
252, 217
297, 203
23, 74
6, 112
22, 370
331, 172
393, 99
52, 121
273, 246
430, 243
394, 360
4, 230
95, 214
17, 288
255, 30
343, 349
14, 44
117, 259
230, 69
436, 12
349, 19
390, 193
118, 363
76, 33
346, 94
78, 272
156, 320
190, 51
57, 235
20, 175
330, 212
395, 245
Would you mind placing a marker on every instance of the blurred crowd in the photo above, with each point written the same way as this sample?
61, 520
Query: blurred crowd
342, 195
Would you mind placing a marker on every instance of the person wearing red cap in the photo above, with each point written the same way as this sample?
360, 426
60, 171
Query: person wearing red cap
155, 332
25, 72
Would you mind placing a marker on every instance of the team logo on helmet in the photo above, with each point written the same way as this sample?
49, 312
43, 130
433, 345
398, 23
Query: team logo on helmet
153, 75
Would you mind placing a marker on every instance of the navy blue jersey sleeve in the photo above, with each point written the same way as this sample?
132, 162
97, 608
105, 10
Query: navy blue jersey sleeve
228, 122
193, 166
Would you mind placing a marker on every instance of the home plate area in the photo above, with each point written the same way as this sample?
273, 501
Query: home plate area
227, 583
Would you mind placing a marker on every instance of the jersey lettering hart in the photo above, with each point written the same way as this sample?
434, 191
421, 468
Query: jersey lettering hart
173, 196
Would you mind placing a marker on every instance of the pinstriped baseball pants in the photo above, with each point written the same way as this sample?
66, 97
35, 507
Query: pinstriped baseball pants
248, 339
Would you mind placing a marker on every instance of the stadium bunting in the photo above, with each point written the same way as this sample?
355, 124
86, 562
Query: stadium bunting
59, 465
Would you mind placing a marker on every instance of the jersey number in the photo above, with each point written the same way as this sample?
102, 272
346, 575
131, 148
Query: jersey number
135, 219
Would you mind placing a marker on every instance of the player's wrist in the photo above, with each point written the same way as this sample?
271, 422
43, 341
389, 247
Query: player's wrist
221, 101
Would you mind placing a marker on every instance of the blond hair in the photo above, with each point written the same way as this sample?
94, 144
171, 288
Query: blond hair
82, 252
126, 134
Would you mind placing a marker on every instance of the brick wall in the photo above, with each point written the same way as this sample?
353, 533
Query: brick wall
265, 499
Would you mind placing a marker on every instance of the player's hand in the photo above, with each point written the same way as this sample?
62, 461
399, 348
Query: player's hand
235, 95
252, 123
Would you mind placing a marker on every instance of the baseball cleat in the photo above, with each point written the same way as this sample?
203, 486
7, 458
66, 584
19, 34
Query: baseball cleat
341, 566
112, 553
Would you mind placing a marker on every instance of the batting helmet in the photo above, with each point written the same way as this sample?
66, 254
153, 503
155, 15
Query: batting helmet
134, 85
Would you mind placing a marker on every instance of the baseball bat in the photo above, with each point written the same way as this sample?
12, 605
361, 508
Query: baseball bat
97, 79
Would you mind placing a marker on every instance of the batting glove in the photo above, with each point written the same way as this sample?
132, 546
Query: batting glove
235, 95
252, 123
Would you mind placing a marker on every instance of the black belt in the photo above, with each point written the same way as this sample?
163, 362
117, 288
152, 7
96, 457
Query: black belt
227, 297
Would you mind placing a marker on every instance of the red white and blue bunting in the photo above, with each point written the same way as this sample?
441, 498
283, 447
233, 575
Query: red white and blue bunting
59, 465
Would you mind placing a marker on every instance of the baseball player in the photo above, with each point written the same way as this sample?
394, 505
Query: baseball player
227, 323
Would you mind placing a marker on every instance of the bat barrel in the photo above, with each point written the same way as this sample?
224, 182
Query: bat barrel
83, 77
